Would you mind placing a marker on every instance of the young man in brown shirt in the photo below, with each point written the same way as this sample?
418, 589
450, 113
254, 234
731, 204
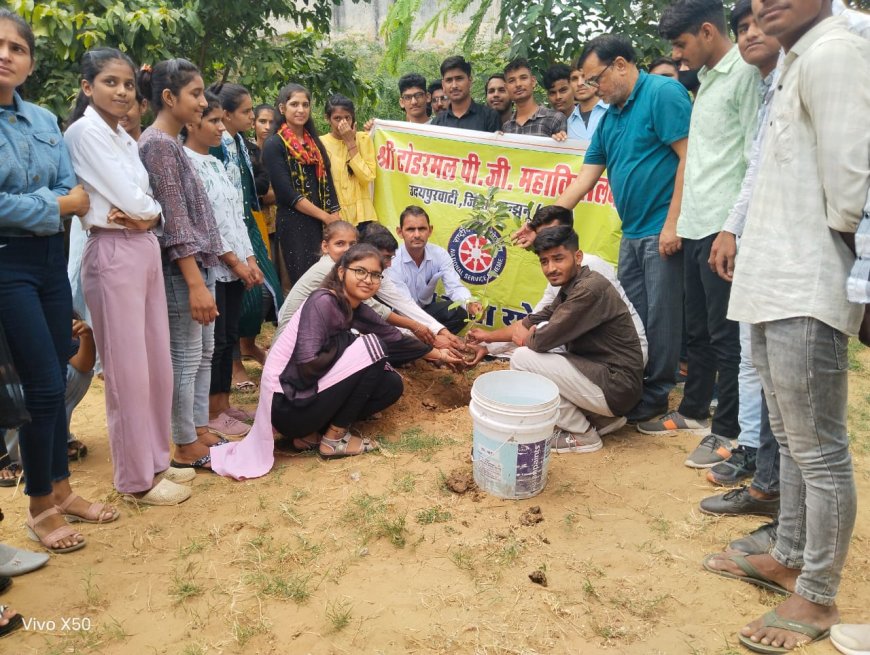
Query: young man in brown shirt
599, 363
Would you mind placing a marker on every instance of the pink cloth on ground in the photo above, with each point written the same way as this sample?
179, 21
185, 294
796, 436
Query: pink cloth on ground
254, 455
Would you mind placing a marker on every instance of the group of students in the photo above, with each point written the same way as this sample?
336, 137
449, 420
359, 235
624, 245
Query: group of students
771, 149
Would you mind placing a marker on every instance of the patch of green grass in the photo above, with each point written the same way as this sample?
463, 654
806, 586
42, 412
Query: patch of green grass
194, 649
404, 483
243, 632
93, 595
589, 589
194, 546
374, 518
414, 440
661, 525
855, 347
184, 587
506, 553
433, 515
462, 557
293, 587
338, 614
570, 520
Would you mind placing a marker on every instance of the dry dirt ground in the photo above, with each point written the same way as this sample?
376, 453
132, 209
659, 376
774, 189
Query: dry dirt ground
375, 555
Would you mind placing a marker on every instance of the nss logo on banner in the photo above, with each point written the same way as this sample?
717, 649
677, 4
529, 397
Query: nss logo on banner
472, 260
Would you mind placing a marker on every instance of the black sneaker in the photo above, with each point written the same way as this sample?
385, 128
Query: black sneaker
738, 502
740, 466
758, 542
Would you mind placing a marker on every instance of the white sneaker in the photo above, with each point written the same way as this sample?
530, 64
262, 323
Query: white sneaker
851, 639
567, 442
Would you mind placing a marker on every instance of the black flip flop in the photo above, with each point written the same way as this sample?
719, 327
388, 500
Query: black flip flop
196, 464
14, 623
11, 482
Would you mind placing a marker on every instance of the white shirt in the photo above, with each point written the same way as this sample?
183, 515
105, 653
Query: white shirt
389, 294
107, 164
812, 183
228, 210
602, 268
421, 280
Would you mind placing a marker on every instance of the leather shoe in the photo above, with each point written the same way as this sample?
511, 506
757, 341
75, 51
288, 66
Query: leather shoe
738, 502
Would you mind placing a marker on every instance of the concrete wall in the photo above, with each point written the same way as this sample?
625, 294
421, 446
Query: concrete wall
364, 20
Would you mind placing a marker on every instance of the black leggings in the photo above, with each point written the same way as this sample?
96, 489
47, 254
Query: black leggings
228, 298
359, 396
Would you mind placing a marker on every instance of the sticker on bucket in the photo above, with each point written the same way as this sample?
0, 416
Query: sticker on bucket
508, 469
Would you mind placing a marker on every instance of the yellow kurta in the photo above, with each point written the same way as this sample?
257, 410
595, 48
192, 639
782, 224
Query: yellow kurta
353, 190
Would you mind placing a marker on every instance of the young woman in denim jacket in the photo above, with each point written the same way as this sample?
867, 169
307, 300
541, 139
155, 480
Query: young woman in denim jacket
37, 189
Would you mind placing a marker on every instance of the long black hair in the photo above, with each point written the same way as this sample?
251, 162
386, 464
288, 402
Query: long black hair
22, 27
214, 103
338, 101
332, 282
231, 95
283, 96
92, 64
172, 74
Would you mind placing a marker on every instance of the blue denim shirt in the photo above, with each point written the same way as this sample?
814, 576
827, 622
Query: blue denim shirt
35, 169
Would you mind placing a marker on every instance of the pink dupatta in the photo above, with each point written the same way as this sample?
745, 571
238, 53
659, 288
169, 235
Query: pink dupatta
254, 455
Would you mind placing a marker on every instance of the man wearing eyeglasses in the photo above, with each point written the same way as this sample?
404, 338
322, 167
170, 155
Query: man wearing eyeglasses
641, 141
463, 112
420, 265
413, 98
438, 100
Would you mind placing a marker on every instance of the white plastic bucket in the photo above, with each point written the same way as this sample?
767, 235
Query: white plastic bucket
514, 413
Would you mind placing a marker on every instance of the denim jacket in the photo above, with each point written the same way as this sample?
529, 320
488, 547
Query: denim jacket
35, 169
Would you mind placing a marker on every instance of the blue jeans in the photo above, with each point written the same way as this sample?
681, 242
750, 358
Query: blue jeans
803, 364
191, 347
654, 285
766, 478
751, 394
36, 311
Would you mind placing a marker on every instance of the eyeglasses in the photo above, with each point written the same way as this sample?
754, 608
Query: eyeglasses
408, 97
594, 81
362, 274
439, 99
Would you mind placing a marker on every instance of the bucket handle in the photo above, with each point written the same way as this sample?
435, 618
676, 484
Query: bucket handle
494, 452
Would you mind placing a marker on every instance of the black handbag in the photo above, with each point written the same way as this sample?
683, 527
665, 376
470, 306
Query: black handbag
13, 412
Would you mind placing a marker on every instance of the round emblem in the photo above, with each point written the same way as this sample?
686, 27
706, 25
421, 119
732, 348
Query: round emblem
471, 259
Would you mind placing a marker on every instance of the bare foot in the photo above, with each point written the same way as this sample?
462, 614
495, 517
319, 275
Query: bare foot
764, 564
248, 348
9, 616
241, 377
10, 472
795, 608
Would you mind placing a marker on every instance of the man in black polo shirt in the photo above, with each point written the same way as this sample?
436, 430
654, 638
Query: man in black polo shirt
463, 112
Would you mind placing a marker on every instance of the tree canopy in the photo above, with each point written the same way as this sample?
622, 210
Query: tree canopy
226, 39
